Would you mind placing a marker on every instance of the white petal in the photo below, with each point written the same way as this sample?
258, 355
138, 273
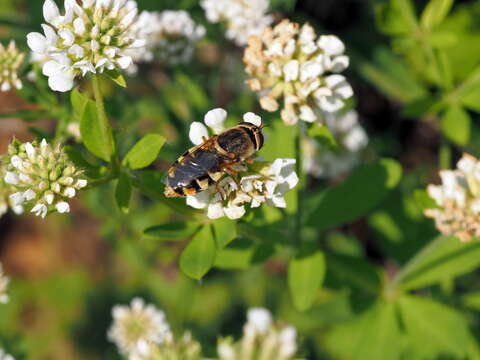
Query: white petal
16, 162
339, 63
61, 82
197, 133
124, 62
79, 26
29, 195
260, 319
31, 152
67, 36
51, 68
37, 42
216, 119
17, 199
215, 210
199, 201
277, 201
331, 44
39, 210
234, 212
81, 183
11, 178
6, 86
331, 103
50, 34
50, 11
290, 70
62, 207
69, 192
307, 114
252, 118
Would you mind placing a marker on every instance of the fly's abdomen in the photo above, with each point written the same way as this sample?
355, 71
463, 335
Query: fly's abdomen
193, 173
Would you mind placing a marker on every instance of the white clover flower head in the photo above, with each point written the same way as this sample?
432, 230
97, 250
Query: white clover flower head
242, 18
253, 184
262, 339
458, 200
95, 36
321, 162
40, 178
170, 36
4, 280
5, 356
290, 63
10, 61
137, 327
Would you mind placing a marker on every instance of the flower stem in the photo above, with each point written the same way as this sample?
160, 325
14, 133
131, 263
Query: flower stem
103, 118
301, 183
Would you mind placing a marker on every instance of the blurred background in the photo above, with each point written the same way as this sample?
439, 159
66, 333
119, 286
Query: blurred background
68, 271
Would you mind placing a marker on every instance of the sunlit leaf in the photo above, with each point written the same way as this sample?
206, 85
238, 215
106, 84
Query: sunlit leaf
456, 125
96, 141
199, 255
444, 258
144, 152
435, 12
116, 76
305, 276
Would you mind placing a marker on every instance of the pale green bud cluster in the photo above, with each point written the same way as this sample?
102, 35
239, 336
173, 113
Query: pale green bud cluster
185, 348
40, 178
3, 286
10, 61
262, 339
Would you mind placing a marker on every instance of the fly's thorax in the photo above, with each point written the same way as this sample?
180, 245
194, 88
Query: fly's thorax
242, 140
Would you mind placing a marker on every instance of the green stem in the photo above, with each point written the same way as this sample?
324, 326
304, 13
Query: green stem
103, 118
445, 155
301, 183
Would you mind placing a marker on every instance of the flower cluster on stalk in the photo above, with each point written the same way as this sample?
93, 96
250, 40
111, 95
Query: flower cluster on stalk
262, 339
10, 61
40, 178
90, 37
289, 63
4, 280
137, 328
169, 36
458, 200
321, 162
254, 184
242, 18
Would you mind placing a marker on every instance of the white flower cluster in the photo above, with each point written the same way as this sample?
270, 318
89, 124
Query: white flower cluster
243, 18
261, 340
254, 184
10, 61
5, 356
322, 162
458, 200
4, 280
291, 63
92, 37
40, 177
138, 327
169, 35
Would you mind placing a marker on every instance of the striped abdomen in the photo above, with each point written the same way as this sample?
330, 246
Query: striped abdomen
194, 172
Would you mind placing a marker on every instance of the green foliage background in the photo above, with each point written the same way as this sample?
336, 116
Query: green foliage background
373, 279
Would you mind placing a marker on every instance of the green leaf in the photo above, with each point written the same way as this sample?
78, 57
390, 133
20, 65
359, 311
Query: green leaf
456, 125
389, 73
433, 330
123, 192
354, 272
144, 152
397, 17
242, 253
193, 91
444, 258
225, 231
199, 255
471, 98
172, 231
116, 76
359, 194
98, 144
324, 136
305, 276
435, 12
374, 335
423, 200
79, 102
